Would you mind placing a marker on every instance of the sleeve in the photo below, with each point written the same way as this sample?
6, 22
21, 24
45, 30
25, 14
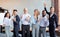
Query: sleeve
56, 20
46, 11
4, 21
31, 20
12, 17
11, 23
22, 19
46, 21
17, 19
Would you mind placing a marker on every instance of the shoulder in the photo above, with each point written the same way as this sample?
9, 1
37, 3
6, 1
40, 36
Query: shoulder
55, 15
5, 18
17, 15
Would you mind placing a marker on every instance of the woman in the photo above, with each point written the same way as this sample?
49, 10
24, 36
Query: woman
6, 23
34, 19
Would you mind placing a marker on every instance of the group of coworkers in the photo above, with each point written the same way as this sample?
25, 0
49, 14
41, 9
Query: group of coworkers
38, 23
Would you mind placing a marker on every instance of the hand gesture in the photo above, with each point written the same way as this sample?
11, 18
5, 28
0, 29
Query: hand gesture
44, 4
28, 18
14, 19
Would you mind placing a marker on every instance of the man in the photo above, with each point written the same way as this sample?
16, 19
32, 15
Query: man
25, 18
52, 21
44, 22
16, 21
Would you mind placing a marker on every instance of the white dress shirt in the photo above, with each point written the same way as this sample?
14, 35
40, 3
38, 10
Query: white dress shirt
25, 19
11, 21
6, 21
44, 21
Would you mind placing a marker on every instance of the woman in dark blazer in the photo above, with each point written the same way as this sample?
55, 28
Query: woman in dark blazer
53, 21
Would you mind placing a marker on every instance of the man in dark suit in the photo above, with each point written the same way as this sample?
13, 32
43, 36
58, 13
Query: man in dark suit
16, 21
53, 21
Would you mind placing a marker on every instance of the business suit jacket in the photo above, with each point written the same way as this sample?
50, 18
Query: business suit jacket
16, 26
17, 20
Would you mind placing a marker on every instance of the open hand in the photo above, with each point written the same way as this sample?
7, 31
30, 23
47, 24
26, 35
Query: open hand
44, 4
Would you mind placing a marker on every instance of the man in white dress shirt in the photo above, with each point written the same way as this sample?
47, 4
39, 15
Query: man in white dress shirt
44, 22
25, 19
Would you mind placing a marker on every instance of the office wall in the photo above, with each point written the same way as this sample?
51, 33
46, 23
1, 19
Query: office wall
21, 4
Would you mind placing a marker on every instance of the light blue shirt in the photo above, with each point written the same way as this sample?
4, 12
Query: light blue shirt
34, 21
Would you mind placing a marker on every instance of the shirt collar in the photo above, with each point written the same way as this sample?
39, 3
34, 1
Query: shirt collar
51, 15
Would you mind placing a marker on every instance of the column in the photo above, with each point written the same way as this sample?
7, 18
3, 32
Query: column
59, 11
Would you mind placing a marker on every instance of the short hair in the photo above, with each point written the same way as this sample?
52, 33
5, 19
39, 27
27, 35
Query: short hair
15, 10
43, 10
6, 15
51, 7
35, 10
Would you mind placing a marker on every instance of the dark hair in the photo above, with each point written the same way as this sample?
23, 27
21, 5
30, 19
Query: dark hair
43, 10
15, 10
51, 7
6, 14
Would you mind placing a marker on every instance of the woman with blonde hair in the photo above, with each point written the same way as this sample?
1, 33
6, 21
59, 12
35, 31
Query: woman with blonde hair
34, 19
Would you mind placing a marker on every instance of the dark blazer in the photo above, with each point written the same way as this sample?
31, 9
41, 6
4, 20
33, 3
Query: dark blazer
17, 20
16, 23
16, 26
52, 19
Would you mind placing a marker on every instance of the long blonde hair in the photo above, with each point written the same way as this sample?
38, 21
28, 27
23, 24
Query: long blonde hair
37, 12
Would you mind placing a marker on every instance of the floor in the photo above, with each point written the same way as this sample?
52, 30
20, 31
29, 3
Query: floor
4, 35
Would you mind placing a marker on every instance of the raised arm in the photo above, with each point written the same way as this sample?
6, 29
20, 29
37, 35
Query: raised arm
46, 9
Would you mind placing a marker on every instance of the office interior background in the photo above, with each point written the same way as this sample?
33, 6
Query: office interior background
21, 4
30, 4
